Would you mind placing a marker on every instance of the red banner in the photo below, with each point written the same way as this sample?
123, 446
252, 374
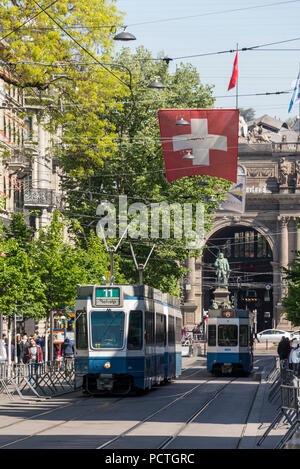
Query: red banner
235, 73
207, 144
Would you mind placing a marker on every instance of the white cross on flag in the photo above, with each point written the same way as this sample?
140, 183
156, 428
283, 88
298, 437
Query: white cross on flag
211, 137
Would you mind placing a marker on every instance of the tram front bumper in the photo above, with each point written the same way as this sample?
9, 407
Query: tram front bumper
105, 382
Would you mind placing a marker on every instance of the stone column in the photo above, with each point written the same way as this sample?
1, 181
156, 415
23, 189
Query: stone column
191, 280
297, 247
190, 305
284, 245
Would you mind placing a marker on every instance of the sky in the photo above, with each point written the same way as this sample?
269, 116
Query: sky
183, 28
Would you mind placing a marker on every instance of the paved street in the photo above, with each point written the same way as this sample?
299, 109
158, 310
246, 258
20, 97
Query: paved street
196, 411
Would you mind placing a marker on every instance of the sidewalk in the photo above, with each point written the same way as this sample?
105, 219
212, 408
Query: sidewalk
263, 411
265, 347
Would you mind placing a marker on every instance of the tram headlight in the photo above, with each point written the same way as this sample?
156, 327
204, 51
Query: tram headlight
107, 365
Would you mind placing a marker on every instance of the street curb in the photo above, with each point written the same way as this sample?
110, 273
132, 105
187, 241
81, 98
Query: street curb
256, 415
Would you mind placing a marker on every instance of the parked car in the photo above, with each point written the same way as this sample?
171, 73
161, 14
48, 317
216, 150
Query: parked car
296, 335
273, 335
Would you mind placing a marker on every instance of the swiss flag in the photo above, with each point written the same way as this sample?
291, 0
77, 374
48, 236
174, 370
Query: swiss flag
208, 144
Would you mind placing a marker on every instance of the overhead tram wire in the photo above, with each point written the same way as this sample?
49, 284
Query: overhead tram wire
30, 19
99, 26
163, 20
212, 246
86, 50
227, 51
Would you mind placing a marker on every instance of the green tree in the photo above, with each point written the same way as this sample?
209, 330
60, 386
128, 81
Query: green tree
57, 262
136, 166
53, 55
291, 302
21, 287
248, 114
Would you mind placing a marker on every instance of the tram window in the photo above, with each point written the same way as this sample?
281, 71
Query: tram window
243, 335
227, 335
211, 336
135, 335
171, 330
160, 335
178, 330
149, 326
81, 330
107, 329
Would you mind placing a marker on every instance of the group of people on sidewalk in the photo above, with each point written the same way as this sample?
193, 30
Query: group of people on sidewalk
32, 350
290, 350
24, 350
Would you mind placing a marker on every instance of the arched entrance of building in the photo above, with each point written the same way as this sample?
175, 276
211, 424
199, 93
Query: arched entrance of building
250, 283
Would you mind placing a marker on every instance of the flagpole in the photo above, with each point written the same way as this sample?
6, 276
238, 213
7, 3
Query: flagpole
237, 85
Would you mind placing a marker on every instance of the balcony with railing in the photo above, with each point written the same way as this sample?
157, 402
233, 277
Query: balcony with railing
39, 197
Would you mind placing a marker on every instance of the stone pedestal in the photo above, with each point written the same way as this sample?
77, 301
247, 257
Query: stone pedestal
284, 189
222, 297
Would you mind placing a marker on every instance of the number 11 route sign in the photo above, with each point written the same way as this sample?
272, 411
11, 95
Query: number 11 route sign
206, 144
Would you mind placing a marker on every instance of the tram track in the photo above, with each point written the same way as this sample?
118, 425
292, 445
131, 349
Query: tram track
247, 418
153, 414
65, 405
112, 442
51, 411
78, 401
191, 419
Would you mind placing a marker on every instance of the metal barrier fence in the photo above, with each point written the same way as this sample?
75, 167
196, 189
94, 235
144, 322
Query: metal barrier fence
288, 413
279, 375
285, 386
38, 379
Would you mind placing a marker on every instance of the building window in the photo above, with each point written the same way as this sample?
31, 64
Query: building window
249, 244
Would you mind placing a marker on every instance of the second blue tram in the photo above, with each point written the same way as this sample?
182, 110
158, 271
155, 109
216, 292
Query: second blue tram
229, 341
127, 337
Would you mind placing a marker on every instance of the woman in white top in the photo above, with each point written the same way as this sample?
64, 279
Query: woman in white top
294, 357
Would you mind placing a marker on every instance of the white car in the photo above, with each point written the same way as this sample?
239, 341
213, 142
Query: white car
296, 335
272, 335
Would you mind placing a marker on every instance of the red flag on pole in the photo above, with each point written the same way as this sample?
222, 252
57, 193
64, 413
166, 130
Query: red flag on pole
207, 144
235, 73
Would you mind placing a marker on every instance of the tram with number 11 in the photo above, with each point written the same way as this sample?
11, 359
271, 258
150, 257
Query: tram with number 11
127, 338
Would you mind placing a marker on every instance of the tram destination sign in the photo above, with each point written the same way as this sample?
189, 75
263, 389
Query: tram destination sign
107, 296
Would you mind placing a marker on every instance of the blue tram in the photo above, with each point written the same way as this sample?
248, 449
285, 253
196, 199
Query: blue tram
127, 337
229, 341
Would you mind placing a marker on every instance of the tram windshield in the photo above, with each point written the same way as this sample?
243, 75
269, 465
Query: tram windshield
107, 329
227, 335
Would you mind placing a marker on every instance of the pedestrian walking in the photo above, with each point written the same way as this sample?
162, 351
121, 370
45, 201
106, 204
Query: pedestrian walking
12, 349
39, 341
292, 341
25, 345
67, 351
3, 353
58, 356
284, 348
295, 358
35, 358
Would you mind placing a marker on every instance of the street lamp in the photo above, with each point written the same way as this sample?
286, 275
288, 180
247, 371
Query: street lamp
156, 84
182, 121
188, 156
124, 36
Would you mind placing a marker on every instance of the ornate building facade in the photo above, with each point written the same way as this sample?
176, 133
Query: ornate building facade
29, 180
262, 239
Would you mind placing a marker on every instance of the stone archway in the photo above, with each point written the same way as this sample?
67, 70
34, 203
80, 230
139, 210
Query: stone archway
251, 251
